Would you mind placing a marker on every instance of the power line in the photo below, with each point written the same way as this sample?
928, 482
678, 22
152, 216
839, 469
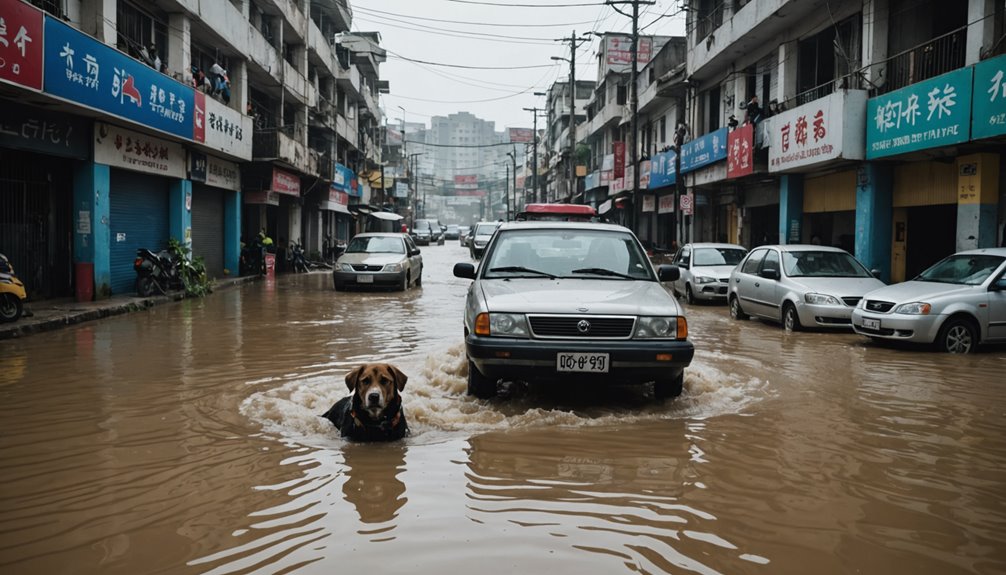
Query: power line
525, 5
525, 25
459, 145
455, 33
400, 57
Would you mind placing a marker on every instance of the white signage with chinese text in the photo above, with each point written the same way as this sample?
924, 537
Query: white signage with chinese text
131, 150
223, 174
227, 130
826, 129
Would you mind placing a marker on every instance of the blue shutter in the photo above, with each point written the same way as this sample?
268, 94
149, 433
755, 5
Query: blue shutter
139, 211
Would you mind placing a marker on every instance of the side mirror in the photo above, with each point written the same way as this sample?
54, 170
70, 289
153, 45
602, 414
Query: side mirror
999, 284
464, 270
414, 252
769, 273
876, 273
668, 273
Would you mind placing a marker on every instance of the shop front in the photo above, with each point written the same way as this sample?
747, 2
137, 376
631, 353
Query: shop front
216, 185
662, 182
705, 173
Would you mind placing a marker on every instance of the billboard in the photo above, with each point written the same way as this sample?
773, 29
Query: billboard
521, 135
618, 51
21, 44
466, 182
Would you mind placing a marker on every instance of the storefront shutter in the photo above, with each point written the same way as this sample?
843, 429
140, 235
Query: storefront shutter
208, 228
138, 219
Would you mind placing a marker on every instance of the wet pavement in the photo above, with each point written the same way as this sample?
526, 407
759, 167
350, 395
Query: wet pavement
185, 438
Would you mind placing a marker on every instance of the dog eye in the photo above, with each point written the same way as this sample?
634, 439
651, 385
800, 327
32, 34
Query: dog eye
385, 381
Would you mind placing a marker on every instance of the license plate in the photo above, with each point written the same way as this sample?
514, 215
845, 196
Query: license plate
582, 362
364, 279
871, 323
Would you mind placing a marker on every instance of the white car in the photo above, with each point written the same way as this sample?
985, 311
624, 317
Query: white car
576, 301
705, 270
800, 286
379, 260
956, 304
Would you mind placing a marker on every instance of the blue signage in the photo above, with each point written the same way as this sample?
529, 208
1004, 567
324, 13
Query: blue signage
662, 169
988, 114
929, 114
83, 70
343, 179
704, 150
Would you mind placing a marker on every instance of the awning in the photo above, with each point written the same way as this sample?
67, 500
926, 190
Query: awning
361, 208
334, 207
605, 207
387, 216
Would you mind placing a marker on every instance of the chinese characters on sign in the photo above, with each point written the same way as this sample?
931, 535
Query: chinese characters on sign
989, 114
32, 129
21, 44
704, 150
618, 151
134, 151
819, 131
740, 151
936, 112
223, 128
285, 182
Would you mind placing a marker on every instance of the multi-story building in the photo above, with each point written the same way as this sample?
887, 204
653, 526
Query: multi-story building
874, 125
203, 122
560, 184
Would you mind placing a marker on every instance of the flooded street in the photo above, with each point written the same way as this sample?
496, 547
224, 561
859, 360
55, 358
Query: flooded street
186, 439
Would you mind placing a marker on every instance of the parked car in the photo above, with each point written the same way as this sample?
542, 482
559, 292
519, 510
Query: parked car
955, 305
452, 232
705, 270
427, 232
463, 234
379, 260
800, 286
578, 301
480, 237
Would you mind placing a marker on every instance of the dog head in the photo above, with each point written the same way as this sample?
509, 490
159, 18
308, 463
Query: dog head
375, 386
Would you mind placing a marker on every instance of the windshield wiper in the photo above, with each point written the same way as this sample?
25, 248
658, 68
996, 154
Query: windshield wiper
602, 272
518, 269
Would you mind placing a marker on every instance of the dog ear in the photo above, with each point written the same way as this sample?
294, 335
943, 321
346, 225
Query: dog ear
400, 378
353, 377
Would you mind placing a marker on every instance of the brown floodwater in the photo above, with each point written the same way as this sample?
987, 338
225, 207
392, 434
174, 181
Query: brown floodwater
186, 439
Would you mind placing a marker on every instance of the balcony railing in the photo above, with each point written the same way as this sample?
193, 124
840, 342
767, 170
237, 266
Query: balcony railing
710, 21
934, 57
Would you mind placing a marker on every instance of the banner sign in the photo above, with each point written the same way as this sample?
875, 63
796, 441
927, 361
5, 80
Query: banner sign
284, 182
223, 129
20, 44
936, 112
666, 204
38, 130
644, 174
344, 179
260, 197
740, 146
197, 166
338, 197
618, 151
469, 182
222, 174
80, 69
826, 129
618, 52
687, 203
121, 148
593, 180
401, 190
988, 115
521, 135
662, 169
649, 203
704, 150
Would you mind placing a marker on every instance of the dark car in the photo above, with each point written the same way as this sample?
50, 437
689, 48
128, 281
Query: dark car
453, 232
425, 232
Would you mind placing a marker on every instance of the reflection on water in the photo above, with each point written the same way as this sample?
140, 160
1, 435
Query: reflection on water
187, 439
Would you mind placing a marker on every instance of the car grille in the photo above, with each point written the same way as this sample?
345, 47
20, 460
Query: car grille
366, 268
851, 301
879, 306
568, 326
725, 280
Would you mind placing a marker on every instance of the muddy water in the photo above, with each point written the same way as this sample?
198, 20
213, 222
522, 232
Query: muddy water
186, 440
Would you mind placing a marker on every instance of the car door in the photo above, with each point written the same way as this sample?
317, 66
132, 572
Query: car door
997, 309
415, 261
767, 290
683, 261
745, 278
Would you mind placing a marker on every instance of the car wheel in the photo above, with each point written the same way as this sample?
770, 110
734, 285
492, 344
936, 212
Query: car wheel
403, 284
958, 335
667, 388
10, 307
419, 280
479, 385
689, 296
790, 319
735, 308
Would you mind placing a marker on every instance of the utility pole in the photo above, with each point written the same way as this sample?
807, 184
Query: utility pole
574, 43
506, 190
536, 195
633, 100
513, 156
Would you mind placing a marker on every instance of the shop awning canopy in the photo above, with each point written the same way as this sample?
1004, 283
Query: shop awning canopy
387, 216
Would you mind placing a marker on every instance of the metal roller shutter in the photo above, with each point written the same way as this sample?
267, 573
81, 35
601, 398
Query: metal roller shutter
208, 228
138, 210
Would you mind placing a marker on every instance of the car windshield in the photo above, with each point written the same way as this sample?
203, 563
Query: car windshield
375, 245
567, 253
822, 264
484, 230
962, 269
717, 257
452, 228
423, 225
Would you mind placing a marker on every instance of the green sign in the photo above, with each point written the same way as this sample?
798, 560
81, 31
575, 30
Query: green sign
929, 114
988, 117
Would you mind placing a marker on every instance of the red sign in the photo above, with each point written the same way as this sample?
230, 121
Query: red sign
686, 203
478, 193
285, 182
337, 197
199, 117
466, 182
521, 135
618, 149
21, 43
740, 151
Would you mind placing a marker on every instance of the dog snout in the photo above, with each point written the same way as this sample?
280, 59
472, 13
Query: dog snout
374, 398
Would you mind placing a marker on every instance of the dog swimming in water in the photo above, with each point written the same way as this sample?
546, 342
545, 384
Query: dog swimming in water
374, 410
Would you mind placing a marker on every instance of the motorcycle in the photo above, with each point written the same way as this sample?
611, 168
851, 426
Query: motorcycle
156, 271
12, 293
297, 259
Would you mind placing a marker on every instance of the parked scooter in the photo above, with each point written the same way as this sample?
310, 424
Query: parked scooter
156, 272
297, 260
12, 293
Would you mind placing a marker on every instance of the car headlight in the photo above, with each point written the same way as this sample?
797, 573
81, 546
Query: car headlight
821, 299
346, 267
703, 280
660, 327
862, 303
393, 268
505, 325
914, 308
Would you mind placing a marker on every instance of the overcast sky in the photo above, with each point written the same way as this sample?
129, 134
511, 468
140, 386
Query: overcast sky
410, 29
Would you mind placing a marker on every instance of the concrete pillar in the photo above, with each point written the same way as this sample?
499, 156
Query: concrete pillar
874, 211
300, 133
977, 201
239, 85
98, 18
180, 47
245, 9
875, 26
790, 208
786, 87
180, 211
294, 231
91, 242
981, 31
232, 232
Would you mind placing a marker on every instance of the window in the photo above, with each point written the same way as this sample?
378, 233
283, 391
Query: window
621, 95
140, 34
753, 262
771, 261
663, 130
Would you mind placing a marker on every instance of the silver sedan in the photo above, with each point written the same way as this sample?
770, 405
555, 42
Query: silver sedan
379, 260
956, 304
705, 270
800, 286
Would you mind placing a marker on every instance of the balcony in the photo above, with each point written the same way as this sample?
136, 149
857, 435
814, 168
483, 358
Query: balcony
346, 129
295, 83
339, 9
940, 55
274, 144
292, 13
348, 80
610, 114
318, 45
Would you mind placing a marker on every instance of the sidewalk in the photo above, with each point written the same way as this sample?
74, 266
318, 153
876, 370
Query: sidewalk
57, 313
